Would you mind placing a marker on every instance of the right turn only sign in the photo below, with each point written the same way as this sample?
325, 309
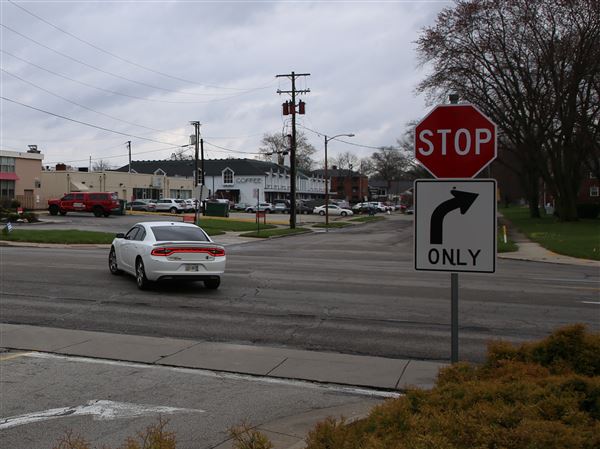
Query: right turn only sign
455, 225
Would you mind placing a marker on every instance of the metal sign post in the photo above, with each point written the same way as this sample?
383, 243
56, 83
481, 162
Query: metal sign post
455, 231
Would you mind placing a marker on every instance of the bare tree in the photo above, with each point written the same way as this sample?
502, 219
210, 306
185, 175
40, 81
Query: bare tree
533, 66
389, 164
101, 165
344, 161
275, 146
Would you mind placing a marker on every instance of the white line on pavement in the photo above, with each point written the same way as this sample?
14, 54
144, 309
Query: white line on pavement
99, 409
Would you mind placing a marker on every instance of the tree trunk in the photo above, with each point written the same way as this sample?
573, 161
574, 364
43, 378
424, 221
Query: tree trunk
533, 195
566, 201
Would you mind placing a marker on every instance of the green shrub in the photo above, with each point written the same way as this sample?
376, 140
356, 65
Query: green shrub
534, 396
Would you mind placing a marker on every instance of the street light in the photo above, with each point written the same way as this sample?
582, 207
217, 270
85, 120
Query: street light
327, 139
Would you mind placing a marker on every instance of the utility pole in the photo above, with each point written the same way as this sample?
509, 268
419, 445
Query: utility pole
196, 172
201, 174
293, 92
129, 175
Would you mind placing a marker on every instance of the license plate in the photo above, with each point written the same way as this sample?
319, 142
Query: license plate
191, 267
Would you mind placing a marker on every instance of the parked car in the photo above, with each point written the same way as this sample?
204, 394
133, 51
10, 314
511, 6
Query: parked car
342, 203
379, 206
99, 203
303, 208
141, 205
266, 207
172, 205
361, 208
333, 210
282, 206
152, 251
190, 204
240, 206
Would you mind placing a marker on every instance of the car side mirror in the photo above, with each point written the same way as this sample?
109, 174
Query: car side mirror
120, 235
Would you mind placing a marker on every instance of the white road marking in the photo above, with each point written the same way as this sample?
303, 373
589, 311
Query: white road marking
99, 409
590, 302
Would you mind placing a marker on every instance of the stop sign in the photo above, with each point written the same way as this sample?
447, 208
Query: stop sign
455, 141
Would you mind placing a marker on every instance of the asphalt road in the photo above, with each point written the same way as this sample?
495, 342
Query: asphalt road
43, 397
351, 291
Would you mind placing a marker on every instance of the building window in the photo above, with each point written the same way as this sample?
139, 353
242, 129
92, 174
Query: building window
227, 176
594, 191
7, 164
592, 175
7, 190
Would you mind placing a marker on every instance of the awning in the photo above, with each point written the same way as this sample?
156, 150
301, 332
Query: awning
78, 187
8, 177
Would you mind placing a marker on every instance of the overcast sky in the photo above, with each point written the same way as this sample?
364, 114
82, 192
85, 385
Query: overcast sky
217, 63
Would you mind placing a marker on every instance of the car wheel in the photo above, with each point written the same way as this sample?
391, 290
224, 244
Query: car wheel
54, 210
140, 275
343, 214
321, 213
112, 262
212, 284
97, 211
250, 211
63, 212
106, 214
173, 210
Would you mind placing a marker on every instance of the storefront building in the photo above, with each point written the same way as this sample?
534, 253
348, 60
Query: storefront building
20, 177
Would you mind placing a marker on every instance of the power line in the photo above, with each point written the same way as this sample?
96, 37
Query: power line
83, 123
229, 149
112, 130
79, 61
85, 107
131, 80
128, 61
112, 92
344, 141
123, 155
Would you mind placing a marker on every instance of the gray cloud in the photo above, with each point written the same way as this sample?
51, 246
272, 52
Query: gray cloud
360, 56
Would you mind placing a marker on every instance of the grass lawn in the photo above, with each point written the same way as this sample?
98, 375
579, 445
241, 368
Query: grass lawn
577, 239
265, 233
217, 224
64, 236
507, 247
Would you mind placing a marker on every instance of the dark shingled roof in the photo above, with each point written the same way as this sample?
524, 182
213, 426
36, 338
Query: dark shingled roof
212, 167
336, 173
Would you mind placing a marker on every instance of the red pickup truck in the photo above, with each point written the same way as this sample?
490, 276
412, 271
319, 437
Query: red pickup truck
99, 203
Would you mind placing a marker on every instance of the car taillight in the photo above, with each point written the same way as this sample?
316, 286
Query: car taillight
167, 251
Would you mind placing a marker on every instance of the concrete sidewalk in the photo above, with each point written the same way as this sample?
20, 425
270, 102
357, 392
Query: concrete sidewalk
272, 362
376, 377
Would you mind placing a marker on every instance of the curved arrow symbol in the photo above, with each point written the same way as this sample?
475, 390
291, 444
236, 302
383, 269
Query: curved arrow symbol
462, 200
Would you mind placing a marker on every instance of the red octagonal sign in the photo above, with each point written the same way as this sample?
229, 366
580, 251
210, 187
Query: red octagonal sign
455, 141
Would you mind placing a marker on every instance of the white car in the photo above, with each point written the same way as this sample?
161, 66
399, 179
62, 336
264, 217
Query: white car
262, 207
172, 205
152, 251
333, 210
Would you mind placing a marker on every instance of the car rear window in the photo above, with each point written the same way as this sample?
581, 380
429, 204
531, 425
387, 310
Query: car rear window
175, 233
